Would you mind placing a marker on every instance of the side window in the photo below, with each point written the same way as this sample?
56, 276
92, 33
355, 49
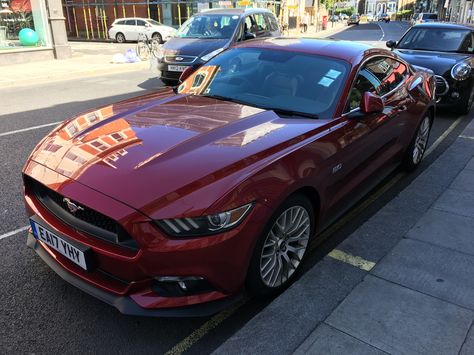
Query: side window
261, 23
130, 22
249, 25
120, 22
272, 21
378, 76
141, 23
467, 44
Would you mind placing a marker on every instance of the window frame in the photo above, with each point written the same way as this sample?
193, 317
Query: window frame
384, 96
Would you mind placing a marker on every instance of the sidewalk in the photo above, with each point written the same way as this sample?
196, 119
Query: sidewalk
417, 299
89, 59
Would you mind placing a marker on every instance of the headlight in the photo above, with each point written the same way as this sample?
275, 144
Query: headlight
212, 54
461, 71
205, 225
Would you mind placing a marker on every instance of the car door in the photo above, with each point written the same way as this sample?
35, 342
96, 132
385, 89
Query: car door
262, 26
368, 143
130, 30
142, 28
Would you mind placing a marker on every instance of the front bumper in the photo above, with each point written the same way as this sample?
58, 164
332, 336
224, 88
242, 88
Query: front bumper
172, 77
125, 304
450, 92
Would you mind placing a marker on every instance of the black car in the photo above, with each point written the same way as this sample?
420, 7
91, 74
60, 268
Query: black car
353, 20
448, 50
208, 33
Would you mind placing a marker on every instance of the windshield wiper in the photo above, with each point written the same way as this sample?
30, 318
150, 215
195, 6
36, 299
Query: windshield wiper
282, 111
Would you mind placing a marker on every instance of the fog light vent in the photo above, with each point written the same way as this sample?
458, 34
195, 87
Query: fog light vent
175, 286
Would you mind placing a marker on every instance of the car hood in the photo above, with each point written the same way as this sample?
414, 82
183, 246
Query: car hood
438, 62
153, 150
193, 46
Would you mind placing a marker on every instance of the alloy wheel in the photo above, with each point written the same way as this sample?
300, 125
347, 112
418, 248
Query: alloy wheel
421, 140
284, 246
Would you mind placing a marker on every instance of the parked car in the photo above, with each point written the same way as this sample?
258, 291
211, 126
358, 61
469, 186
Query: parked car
128, 29
353, 20
334, 18
171, 203
424, 17
370, 17
343, 17
208, 33
384, 17
448, 50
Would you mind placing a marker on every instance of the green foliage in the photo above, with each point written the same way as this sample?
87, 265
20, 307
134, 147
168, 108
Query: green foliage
348, 11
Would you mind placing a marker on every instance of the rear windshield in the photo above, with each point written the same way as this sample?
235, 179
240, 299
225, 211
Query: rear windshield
430, 16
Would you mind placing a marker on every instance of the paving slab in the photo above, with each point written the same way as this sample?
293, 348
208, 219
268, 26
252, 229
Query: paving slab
464, 181
398, 320
445, 229
286, 322
468, 346
433, 270
455, 201
470, 165
329, 341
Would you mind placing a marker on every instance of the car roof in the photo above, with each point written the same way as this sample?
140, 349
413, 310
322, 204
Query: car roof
445, 25
240, 11
346, 50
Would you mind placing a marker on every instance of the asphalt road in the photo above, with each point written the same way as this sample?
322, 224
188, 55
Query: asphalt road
40, 313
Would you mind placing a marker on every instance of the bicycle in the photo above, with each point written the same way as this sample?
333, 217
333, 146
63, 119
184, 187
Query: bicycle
147, 46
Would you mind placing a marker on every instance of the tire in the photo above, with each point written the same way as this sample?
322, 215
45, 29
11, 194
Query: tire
120, 37
276, 247
158, 37
169, 82
143, 52
466, 103
417, 147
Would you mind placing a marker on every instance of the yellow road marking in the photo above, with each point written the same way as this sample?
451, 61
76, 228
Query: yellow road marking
347, 258
199, 333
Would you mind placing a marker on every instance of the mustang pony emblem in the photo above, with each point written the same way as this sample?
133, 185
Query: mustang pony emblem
72, 207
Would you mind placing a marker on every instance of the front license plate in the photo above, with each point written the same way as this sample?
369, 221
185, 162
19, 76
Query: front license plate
177, 67
76, 253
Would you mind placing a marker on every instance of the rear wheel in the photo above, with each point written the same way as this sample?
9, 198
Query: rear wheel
120, 38
418, 145
280, 250
158, 37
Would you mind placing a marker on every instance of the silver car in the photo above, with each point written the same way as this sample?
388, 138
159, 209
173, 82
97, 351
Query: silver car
128, 29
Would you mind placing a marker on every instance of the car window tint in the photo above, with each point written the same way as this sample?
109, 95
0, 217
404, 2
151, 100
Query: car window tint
141, 23
120, 22
130, 22
430, 16
467, 44
433, 39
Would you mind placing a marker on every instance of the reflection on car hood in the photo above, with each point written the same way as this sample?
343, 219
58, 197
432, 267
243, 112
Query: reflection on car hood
155, 149
193, 46
438, 62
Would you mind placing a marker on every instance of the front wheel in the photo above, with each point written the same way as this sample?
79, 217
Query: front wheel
418, 145
280, 250
120, 38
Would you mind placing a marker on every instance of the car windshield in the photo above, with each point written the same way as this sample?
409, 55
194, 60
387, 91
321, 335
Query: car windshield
437, 39
295, 84
153, 22
209, 26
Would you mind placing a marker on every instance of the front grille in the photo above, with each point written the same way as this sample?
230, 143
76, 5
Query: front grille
442, 86
85, 220
185, 59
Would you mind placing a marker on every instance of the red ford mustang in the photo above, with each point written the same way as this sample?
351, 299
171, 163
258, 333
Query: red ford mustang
174, 203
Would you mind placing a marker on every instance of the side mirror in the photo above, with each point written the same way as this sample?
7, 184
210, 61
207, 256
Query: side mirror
371, 103
249, 35
391, 44
186, 73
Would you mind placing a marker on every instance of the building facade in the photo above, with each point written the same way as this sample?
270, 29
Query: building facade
32, 30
